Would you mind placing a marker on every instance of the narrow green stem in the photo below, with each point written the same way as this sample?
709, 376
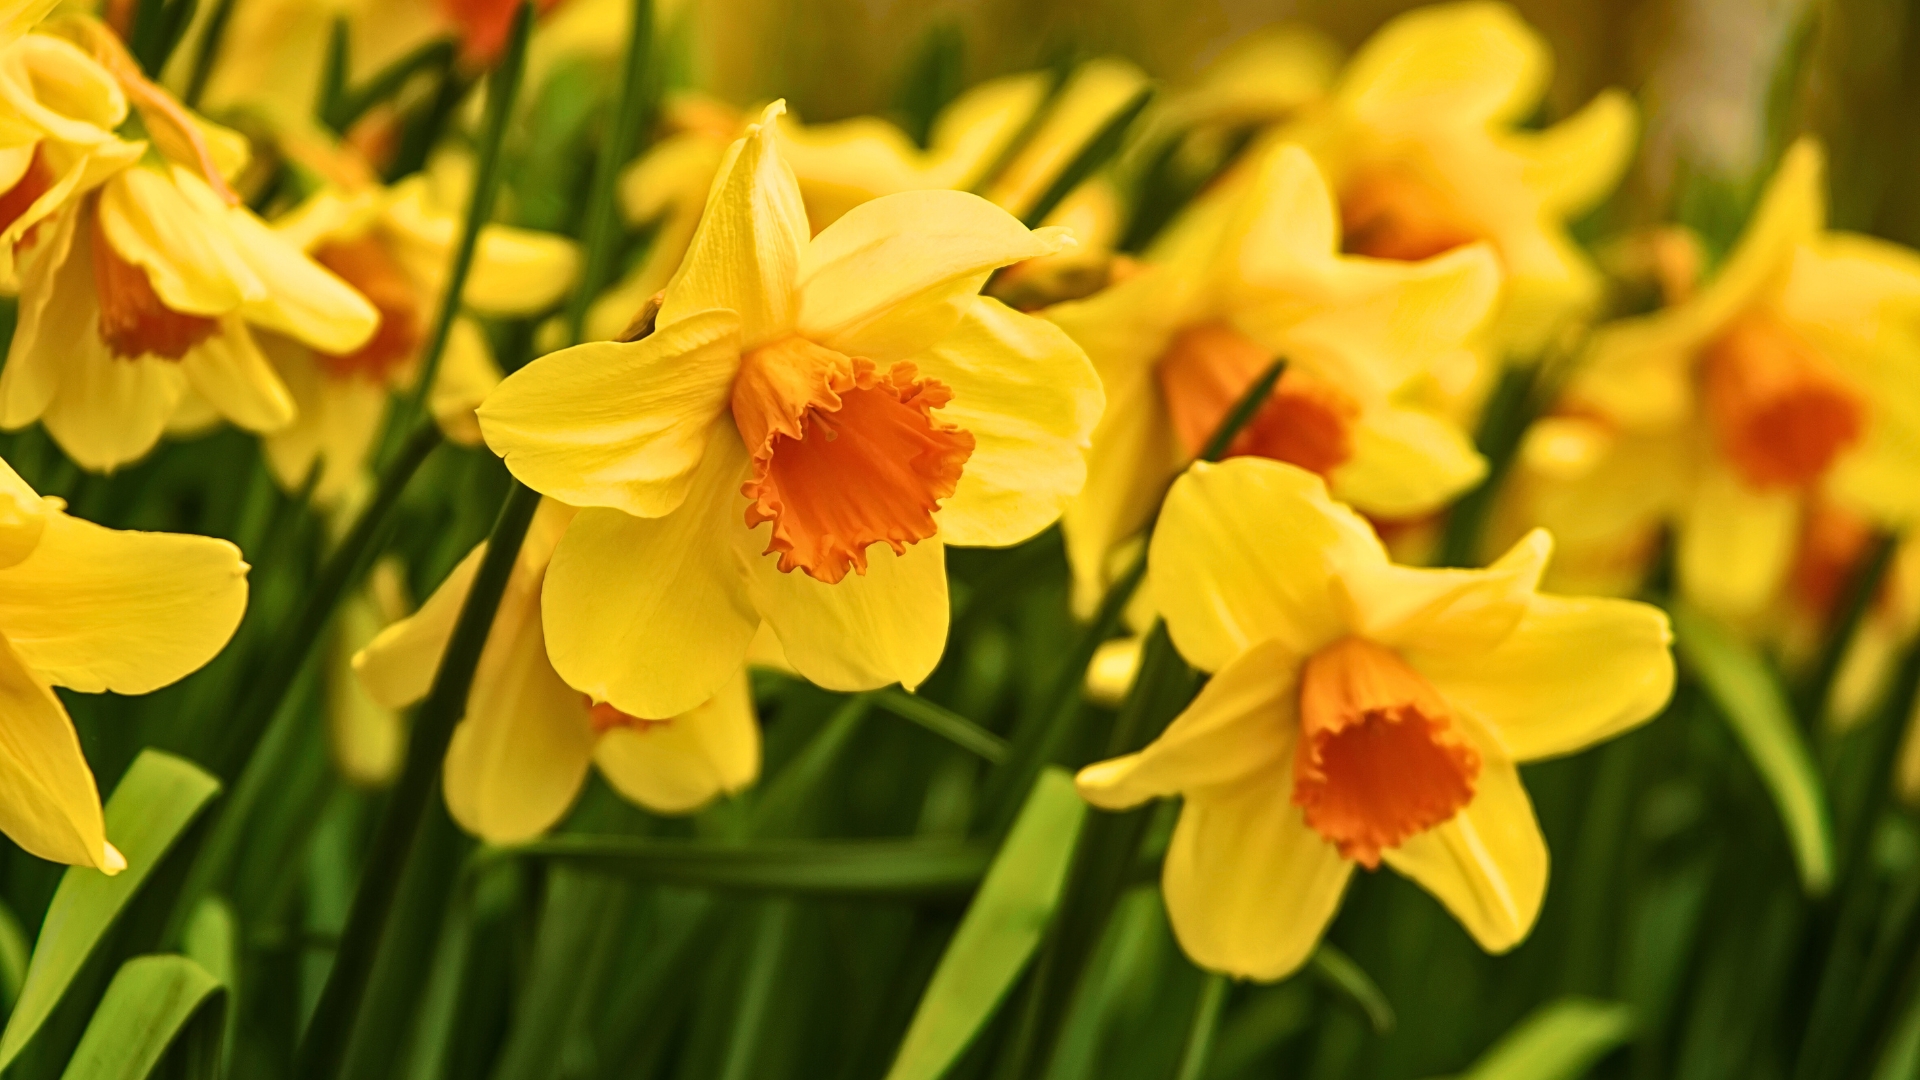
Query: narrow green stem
943, 722
1097, 152
1206, 1021
600, 228
324, 1043
206, 49
503, 86
1509, 410
1858, 598
769, 946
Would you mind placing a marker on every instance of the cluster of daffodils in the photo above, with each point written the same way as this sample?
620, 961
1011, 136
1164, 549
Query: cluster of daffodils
842, 351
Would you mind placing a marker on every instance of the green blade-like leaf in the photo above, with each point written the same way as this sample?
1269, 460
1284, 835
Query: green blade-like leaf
14, 949
943, 722
156, 800
1559, 1041
146, 1008
1751, 699
212, 940
866, 868
1000, 931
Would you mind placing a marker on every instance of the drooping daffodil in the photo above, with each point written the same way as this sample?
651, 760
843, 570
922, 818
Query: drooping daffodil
808, 426
152, 285
520, 754
93, 610
1789, 379
1360, 712
1250, 274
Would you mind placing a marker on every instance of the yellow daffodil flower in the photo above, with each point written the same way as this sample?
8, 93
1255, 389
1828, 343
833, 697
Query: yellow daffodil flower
808, 427
1247, 276
58, 111
1788, 379
1360, 712
151, 284
1266, 77
521, 753
395, 247
368, 739
93, 610
1420, 138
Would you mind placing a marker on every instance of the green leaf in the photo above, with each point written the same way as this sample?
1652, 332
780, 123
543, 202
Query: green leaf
156, 800
1559, 1041
1340, 972
943, 722
866, 868
1000, 931
148, 1004
14, 948
1751, 699
212, 940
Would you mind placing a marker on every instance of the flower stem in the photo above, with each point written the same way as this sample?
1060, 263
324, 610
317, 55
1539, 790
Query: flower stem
503, 86
1206, 1021
325, 1040
600, 229
1861, 587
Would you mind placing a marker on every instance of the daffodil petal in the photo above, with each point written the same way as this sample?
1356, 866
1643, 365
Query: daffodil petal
1455, 612
1249, 887
368, 740
398, 665
104, 609
1791, 214
57, 316
1448, 63
51, 807
1488, 864
652, 614
745, 255
229, 372
618, 425
897, 274
1030, 399
1576, 162
887, 625
1574, 671
680, 766
970, 134
110, 411
520, 753
520, 271
23, 517
1244, 721
298, 297
1406, 463
150, 221
1244, 553
335, 422
1735, 545
48, 82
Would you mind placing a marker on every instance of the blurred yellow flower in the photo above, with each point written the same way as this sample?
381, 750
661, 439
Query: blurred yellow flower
395, 246
809, 425
1250, 274
1360, 712
1420, 138
520, 754
93, 610
149, 286
1792, 377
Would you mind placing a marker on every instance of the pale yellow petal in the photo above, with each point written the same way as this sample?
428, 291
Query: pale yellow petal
897, 274
680, 766
652, 614
1245, 721
618, 425
970, 134
466, 376
228, 371
1574, 671
336, 422
745, 255
108, 411
368, 739
51, 84
885, 626
296, 296
51, 806
1449, 63
1092, 96
1246, 552
1249, 887
1406, 463
843, 164
520, 271
1488, 864
398, 665
1576, 162
189, 258
1449, 611
104, 609
1735, 545
1030, 399
23, 517
520, 753
57, 315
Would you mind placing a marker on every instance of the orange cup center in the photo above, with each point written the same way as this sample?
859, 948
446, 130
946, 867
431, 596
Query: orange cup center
1306, 421
1779, 412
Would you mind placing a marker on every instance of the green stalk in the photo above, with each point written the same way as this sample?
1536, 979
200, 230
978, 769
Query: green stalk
206, 49
1045, 736
1206, 1021
1861, 587
324, 1043
601, 228
1510, 408
503, 86
769, 946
